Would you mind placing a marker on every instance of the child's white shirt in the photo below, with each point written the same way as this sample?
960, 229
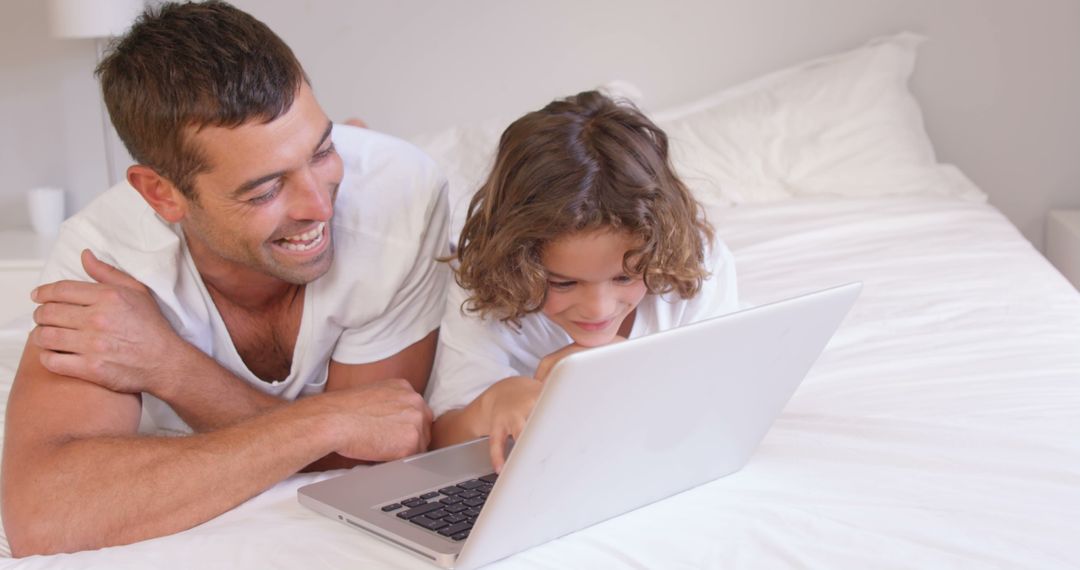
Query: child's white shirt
475, 353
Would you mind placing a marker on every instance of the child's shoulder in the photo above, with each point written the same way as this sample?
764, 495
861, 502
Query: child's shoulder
718, 256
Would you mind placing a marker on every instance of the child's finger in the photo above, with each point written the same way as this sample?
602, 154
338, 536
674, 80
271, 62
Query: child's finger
497, 448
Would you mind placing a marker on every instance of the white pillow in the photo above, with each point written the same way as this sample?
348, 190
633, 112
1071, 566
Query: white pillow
844, 125
841, 125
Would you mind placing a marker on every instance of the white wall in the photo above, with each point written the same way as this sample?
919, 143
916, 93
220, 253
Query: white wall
50, 118
999, 79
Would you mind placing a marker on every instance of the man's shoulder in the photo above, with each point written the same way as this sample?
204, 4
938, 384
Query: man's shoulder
119, 227
371, 155
391, 188
118, 216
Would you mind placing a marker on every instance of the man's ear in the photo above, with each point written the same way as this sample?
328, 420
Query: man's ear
164, 197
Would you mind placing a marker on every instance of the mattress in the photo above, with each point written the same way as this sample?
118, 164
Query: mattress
939, 429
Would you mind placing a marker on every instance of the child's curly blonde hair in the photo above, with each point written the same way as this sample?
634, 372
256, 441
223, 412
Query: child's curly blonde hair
580, 164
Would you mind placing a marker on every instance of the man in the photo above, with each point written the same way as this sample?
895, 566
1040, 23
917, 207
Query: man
247, 264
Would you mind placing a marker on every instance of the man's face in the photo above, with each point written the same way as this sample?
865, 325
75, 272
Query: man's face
265, 203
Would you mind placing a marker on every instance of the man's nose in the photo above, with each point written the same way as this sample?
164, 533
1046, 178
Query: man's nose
312, 199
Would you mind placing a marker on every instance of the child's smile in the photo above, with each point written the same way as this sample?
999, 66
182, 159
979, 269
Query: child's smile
589, 293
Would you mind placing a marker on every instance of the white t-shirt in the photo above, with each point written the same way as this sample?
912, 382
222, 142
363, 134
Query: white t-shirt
475, 353
384, 291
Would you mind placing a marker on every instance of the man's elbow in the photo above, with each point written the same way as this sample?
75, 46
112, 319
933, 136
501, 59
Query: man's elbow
25, 535
30, 529
25, 544
30, 536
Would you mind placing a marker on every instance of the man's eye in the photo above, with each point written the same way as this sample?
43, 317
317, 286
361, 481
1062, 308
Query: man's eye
265, 196
325, 153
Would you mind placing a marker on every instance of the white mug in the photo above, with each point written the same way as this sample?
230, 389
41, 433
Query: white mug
46, 210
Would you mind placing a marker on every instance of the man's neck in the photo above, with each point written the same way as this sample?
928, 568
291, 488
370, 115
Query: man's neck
240, 286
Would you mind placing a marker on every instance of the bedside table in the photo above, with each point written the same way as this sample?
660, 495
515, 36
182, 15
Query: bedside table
1063, 243
22, 256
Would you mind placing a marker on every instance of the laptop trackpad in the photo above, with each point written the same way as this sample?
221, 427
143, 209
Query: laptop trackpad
468, 459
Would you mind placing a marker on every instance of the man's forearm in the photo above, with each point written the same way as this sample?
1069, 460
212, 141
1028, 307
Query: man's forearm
333, 461
206, 395
95, 492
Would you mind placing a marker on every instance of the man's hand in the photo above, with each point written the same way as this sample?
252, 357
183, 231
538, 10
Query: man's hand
111, 333
381, 421
506, 406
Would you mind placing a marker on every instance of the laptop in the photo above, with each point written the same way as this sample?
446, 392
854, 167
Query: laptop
615, 428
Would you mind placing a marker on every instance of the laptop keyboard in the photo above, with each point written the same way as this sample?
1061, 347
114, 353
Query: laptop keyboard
450, 511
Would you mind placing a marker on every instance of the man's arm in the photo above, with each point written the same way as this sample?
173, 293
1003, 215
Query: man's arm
111, 332
207, 397
413, 364
75, 476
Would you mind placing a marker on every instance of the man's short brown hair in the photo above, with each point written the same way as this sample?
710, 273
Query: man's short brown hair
183, 67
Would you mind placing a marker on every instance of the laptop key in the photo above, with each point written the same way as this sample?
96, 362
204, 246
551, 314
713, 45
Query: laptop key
451, 490
437, 514
490, 478
391, 507
430, 524
461, 535
454, 519
477, 502
455, 508
455, 529
451, 500
420, 510
470, 494
471, 484
430, 495
413, 502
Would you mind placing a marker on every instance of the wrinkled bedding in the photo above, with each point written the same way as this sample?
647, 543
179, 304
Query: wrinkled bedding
940, 428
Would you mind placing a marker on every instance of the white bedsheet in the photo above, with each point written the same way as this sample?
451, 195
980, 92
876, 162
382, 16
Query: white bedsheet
940, 429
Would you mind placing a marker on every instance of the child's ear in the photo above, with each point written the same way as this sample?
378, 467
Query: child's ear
162, 195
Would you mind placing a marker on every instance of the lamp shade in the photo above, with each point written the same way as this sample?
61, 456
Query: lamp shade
92, 18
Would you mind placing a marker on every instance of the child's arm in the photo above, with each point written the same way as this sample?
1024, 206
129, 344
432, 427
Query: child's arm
498, 412
548, 362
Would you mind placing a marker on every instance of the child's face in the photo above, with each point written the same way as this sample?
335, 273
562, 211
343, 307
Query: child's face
589, 295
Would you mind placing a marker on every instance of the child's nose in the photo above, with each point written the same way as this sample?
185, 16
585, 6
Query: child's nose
599, 303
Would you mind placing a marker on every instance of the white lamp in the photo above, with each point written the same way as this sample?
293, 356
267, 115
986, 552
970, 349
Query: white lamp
92, 18
97, 20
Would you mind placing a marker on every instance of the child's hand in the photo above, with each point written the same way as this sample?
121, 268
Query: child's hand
549, 361
506, 405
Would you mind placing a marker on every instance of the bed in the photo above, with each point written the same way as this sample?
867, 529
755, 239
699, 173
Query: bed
939, 429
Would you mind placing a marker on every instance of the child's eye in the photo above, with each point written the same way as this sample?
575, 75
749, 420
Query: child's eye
561, 285
624, 280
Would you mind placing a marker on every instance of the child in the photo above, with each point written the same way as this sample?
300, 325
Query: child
581, 236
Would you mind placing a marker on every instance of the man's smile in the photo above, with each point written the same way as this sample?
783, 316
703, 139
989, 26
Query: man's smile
304, 242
